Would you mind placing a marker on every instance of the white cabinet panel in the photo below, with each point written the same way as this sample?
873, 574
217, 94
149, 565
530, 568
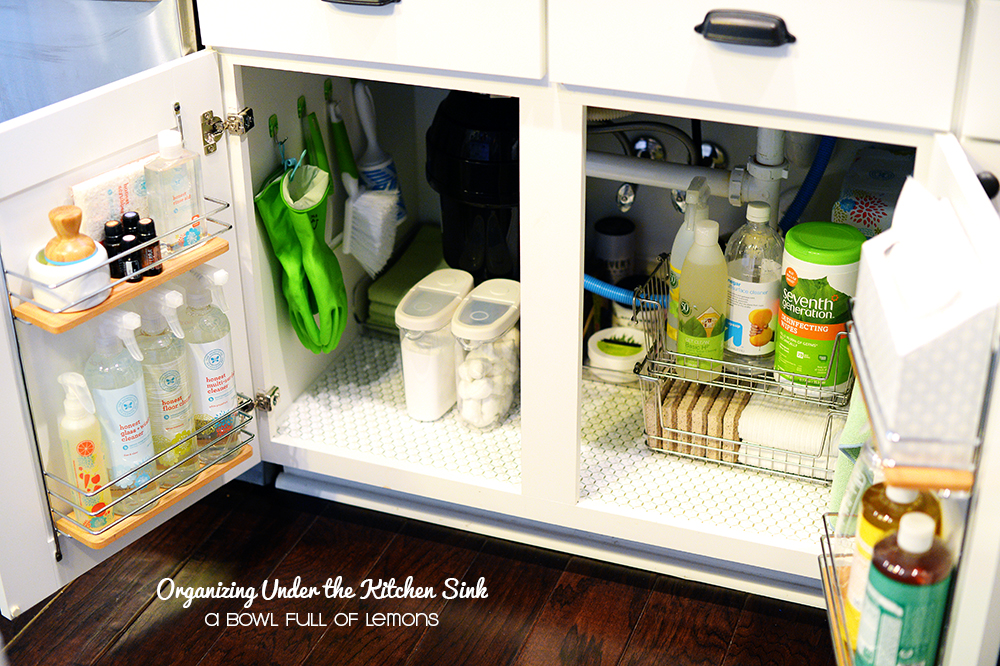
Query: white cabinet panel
498, 38
883, 61
982, 96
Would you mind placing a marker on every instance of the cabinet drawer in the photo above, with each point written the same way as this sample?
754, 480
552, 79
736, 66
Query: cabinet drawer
498, 38
982, 119
885, 61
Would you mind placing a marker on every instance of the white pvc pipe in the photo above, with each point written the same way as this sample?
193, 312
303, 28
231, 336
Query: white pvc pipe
770, 147
642, 171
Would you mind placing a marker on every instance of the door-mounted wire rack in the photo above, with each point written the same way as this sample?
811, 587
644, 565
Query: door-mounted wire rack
66, 500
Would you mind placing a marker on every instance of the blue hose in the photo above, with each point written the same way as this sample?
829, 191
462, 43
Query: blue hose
808, 187
609, 291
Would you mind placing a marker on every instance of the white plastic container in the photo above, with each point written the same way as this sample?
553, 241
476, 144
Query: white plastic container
174, 191
429, 352
613, 353
485, 324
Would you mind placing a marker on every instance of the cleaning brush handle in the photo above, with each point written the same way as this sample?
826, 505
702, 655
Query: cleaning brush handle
373, 155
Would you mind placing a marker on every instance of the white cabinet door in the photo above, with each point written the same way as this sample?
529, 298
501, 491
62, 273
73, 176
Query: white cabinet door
45, 153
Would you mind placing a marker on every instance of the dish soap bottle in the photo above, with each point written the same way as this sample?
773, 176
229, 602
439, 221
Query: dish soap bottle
81, 438
906, 596
696, 200
115, 380
174, 188
210, 361
753, 259
168, 387
882, 507
702, 307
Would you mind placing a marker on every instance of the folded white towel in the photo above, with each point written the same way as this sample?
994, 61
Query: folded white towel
788, 435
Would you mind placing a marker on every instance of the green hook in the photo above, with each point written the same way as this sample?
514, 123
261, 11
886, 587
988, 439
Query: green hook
328, 90
272, 126
302, 106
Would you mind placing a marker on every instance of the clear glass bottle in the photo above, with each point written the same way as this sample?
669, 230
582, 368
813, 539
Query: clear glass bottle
753, 261
174, 187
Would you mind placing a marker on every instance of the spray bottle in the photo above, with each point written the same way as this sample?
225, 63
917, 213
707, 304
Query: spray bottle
168, 387
81, 439
210, 360
697, 209
115, 380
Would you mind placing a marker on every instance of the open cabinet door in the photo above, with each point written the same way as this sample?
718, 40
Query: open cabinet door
47, 152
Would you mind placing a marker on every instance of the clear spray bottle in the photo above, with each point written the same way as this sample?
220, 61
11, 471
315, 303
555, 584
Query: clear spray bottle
210, 360
115, 379
168, 386
81, 439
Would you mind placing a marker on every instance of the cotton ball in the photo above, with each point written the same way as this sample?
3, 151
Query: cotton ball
477, 368
491, 410
463, 373
472, 411
480, 389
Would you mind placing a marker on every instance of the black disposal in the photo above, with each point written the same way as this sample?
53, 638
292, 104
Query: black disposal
472, 164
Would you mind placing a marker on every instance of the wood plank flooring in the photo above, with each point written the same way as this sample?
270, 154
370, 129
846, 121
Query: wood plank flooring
540, 607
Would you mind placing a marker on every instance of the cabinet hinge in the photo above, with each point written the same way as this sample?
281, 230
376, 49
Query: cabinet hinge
265, 401
212, 127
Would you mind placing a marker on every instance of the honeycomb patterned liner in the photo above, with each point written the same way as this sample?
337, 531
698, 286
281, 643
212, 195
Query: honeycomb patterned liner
358, 405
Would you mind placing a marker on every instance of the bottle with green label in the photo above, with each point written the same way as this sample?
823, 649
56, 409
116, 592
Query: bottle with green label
907, 593
702, 304
819, 275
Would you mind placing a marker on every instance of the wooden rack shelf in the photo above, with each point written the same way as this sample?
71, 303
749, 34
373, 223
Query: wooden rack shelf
121, 293
172, 497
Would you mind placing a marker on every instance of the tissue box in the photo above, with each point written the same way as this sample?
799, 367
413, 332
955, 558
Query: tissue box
871, 186
925, 312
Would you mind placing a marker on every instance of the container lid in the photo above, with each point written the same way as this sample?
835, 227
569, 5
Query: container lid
429, 304
170, 144
825, 243
706, 232
758, 211
489, 311
901, 495
916, 532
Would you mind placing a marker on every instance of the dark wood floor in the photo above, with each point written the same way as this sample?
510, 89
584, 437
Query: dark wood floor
542, 607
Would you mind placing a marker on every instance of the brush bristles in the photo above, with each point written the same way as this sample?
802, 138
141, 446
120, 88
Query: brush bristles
370, 228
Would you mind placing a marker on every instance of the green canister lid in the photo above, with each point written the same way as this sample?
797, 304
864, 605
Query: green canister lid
824, 243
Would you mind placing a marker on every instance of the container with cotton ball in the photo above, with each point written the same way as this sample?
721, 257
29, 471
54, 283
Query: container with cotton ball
485, 325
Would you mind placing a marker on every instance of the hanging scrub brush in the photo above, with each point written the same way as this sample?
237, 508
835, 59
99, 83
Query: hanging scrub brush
369, 215
378, 170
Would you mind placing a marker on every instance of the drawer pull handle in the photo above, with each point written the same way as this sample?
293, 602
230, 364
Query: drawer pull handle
734, 26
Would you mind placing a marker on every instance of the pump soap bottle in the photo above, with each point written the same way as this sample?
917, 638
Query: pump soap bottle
696, 200
168, 386
81, 438
210, 359
174, 187
115, 380
907, 593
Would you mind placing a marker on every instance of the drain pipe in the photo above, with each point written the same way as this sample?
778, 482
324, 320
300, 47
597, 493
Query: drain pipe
760, 180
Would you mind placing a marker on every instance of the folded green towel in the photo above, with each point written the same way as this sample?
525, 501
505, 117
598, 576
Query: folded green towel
856, 432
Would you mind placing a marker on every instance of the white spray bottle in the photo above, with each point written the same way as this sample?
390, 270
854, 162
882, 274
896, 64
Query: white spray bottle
696, 198
81, 439
168, 386
116, 383
210, 360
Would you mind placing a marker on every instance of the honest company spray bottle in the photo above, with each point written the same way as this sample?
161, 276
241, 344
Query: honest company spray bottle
168, 386
81, 439
115, 380
210, 360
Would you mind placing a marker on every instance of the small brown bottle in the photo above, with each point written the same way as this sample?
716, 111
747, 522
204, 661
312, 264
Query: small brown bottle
130, 258
151, 253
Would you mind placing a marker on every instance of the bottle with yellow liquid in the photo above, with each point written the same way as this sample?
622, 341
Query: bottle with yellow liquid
882, 507
702, 308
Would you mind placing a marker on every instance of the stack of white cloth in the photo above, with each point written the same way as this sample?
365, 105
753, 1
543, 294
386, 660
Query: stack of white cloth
789, 436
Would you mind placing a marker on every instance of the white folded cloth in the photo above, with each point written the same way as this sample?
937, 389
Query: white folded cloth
788, 436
